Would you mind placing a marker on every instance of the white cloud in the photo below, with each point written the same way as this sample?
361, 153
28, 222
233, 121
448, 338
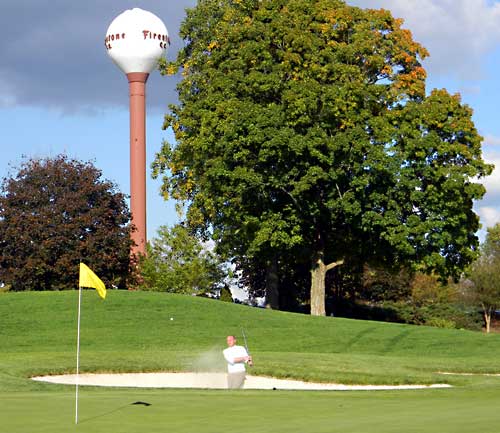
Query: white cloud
457, 33
488, 208
489, 215
492, 182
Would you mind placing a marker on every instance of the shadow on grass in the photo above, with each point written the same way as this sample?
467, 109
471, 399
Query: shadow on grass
137, 403
360, 335
395, 341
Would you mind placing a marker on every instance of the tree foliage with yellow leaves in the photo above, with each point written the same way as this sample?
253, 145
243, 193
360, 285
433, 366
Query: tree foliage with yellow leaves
304, 134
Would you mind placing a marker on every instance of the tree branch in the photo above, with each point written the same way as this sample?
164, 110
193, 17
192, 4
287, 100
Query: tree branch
334, 264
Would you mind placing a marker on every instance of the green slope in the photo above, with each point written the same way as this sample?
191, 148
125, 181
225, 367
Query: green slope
132, 331
140, 331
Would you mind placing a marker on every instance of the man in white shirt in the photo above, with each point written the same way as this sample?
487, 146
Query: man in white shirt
236, 357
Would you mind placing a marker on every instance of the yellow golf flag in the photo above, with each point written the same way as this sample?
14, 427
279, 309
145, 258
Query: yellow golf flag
89, 279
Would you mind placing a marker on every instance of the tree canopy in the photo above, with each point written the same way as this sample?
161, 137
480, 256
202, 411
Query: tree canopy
54, 213
481, 289
304, 135
178, 262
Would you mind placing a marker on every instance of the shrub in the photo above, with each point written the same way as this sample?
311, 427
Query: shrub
225, 294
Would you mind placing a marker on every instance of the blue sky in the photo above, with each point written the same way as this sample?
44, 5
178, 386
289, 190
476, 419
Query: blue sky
59, 91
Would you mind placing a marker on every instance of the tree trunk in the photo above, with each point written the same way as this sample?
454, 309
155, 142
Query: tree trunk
318, 276
272, 285
318, 273
487, 320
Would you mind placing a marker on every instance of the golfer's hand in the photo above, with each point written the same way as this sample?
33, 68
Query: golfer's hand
249, 361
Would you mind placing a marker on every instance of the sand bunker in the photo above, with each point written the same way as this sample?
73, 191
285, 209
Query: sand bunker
210, 381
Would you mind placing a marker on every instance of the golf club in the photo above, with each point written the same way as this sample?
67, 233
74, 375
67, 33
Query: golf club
250, 362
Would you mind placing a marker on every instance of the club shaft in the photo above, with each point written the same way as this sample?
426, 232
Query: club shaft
245, 340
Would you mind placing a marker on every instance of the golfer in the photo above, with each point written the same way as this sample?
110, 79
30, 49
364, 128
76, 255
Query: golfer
236, 357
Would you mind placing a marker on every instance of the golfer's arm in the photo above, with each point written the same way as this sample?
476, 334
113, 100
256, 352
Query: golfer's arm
238, 359
243, 359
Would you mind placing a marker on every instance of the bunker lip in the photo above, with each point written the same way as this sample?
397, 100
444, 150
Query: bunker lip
211, 381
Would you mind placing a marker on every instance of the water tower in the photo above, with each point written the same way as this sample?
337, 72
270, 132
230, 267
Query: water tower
136, 39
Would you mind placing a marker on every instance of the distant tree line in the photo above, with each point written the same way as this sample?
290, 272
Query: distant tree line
56, 212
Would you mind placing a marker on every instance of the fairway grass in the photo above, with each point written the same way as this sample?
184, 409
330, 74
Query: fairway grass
132, 332
428, 411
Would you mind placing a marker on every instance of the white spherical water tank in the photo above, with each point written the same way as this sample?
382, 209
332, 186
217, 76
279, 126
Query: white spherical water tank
136, 39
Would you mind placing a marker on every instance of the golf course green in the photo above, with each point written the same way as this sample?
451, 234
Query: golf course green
156, 332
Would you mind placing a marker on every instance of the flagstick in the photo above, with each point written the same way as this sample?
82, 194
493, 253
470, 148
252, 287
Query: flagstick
78, 353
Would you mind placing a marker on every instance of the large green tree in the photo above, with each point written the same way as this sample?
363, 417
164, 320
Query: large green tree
304, 133
55, 212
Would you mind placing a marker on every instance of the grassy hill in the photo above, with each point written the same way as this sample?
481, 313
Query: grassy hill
140, 331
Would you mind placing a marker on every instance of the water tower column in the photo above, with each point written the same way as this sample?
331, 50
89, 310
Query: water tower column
137, 89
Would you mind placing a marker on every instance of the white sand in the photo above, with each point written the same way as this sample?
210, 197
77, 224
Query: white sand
210, 381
